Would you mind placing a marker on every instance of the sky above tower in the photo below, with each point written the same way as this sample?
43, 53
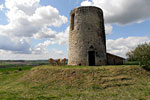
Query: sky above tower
39, 29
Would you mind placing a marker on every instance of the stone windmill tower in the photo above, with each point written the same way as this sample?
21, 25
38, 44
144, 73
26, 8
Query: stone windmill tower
87, 43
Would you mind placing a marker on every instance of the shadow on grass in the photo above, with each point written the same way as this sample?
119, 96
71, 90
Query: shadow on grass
147, 68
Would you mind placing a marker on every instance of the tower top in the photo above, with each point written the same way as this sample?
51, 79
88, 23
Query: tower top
86, 8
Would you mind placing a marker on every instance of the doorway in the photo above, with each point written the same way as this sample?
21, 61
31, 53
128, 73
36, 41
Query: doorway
91, 58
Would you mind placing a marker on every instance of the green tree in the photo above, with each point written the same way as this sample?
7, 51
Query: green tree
130, 56
141, 53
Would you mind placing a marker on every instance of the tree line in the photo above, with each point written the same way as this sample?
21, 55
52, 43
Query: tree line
141, 54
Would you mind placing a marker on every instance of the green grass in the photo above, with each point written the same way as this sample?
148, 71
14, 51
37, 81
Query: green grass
75, 83
15, 68
132, 63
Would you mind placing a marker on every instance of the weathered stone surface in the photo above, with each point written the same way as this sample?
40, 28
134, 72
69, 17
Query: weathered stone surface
114, 60
87, 34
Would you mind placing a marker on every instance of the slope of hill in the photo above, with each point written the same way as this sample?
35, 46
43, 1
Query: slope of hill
75, 83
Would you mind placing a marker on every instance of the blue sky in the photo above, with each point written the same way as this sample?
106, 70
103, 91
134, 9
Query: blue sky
134, 29
39, 29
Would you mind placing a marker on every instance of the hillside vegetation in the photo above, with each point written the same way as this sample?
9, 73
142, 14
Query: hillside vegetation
75, 83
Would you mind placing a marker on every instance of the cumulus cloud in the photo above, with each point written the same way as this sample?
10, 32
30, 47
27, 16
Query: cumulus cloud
86, 3
41, 51
28, 17
121, 46
41, 48
1, 7
48, 15
6, 55
45, 33
122, 11
26, 20
16, 45
27, 6
58, 52
62, 37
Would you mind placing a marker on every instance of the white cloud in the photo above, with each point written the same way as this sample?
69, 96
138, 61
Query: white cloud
86, 3
58, 52
45, 33
26, 20
39, 52
121, 46
41, 48
122, 11
47, 15
62, 37
7, 55
108, 28
27, 6
1, 7
15, 45
28, 17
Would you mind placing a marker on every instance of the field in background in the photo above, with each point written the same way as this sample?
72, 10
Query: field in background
74, 83
22, 63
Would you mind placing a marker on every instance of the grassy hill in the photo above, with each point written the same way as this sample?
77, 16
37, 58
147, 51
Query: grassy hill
75, 83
